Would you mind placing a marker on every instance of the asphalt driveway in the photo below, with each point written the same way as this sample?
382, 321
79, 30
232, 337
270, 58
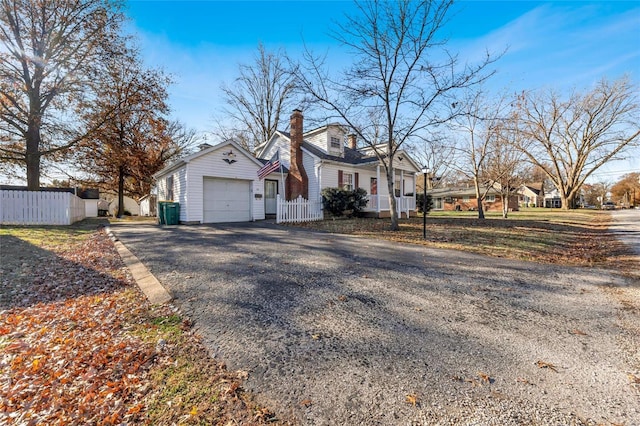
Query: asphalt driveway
337, 330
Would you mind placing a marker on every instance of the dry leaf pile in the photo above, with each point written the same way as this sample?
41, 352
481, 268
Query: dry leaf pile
80, 345
64, 355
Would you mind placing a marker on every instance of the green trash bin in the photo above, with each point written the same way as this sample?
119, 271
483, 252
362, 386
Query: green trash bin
161, 210
172, 213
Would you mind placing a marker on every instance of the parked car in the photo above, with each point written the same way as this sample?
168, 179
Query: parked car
609, 205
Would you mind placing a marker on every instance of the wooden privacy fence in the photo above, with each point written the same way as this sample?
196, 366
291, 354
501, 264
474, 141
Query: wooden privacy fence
40, 208
298, 210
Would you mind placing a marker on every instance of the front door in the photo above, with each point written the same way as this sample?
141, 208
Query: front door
270, 195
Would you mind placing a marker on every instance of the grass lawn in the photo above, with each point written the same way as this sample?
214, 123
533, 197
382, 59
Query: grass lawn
79, 343
578, 237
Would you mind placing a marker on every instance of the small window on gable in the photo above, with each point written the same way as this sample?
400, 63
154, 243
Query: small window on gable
334, 142
169, 183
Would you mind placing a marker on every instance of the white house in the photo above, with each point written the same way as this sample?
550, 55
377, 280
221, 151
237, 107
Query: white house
217, 184
322, 159
220, 183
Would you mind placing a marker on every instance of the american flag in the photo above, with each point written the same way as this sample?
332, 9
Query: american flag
270, 167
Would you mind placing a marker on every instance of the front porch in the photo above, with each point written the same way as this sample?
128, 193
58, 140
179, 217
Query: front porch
378, 206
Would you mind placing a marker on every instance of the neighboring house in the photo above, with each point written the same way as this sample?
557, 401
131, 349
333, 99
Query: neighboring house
148, 205
464, 199
320, 159
531, 195
552, 199
216, 184
130, 205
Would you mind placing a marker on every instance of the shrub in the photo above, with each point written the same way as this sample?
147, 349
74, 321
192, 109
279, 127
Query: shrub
420, 203
338, 200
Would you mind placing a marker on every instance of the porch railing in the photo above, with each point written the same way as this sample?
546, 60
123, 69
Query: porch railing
380, 203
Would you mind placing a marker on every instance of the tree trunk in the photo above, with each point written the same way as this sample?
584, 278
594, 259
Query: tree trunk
478, 199
505, 206
33, 172
480, 207
393, 207
120, 192
32, 157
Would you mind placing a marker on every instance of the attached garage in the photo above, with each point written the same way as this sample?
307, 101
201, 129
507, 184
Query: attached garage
226, 200
217, 184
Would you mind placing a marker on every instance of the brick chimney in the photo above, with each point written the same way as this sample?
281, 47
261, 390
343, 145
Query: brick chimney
352, 141
297, 182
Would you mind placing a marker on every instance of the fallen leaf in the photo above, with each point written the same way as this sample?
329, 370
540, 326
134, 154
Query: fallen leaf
484, 377
542, 364
306, 403
315, 336
578, 332
412, 399
194, 411
633, 378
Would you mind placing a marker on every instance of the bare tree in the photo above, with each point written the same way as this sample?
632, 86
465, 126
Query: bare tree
49, 55
256, 99
400, 79
476, 128
438, 154
570, 139
504, 168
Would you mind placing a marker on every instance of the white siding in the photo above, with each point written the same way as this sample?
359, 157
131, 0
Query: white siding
409, 186
309, 163
180, 193
213, 165
330, 175
285, 151
322, 140
319, 140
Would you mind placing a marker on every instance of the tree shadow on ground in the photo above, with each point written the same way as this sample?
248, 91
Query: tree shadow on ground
30, 274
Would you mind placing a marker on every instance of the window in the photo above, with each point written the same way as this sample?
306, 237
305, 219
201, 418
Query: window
347, 181
396, 187
466, 199
374, 186
490, 199
169, 183
334, 142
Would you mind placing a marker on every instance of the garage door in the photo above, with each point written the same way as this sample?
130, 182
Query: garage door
227, 200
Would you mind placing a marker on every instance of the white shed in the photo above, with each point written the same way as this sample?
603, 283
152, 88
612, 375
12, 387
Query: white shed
217, 184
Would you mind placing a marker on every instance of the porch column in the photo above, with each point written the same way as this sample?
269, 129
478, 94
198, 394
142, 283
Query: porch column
401, 200
378, 189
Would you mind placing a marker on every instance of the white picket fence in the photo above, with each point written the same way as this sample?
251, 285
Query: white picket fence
298, 210
40, 208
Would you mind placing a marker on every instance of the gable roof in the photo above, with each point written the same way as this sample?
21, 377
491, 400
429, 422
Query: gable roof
174, 166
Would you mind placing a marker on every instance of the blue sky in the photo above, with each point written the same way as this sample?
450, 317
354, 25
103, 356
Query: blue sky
561, 45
